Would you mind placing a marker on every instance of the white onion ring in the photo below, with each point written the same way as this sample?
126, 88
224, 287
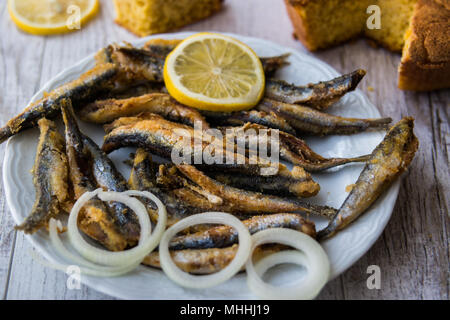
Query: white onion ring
187, 280
317, 264
114, 263
85, 266
274, 259
147, 242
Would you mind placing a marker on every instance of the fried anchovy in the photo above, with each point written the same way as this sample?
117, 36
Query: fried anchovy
97, 220
389, 159
109, 178
160, 48
50, 178
143, 178
207, 261
134, 64
300, 186
307, 120
319, 95
105, 111
85, 89
291, 148
249, 201
240, 118
166, 138
130, 90
124, 121
225, 236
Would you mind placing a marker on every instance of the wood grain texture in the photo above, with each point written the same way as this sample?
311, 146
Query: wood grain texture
413, 252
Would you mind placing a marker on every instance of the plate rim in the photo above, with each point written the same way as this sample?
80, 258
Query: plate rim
393, 191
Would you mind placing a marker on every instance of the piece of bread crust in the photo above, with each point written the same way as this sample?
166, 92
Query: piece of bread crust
425, 63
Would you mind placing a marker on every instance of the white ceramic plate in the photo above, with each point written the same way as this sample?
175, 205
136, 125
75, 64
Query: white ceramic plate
145, 283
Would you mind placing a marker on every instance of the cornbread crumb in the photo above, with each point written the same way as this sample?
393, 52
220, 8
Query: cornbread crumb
350, 187
145, 17
370, 88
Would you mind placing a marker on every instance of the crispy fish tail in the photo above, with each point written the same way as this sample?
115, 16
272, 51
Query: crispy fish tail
389, 159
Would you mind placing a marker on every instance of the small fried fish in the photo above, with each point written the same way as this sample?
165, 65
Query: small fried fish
388, 161
291, 148
319, 95
225, 236
239, 118
105, 111
143, 177
207, 261
310, 121
248, 201
50, 178
96, 219
160, 48
166, 138
82, 90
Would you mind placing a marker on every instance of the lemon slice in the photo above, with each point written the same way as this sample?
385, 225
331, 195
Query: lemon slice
45, 17
214, 72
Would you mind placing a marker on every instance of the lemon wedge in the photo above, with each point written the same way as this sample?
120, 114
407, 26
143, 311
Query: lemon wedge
46, 17
214, 72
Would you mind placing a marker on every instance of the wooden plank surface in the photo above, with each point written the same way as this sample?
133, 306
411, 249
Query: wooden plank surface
413, 252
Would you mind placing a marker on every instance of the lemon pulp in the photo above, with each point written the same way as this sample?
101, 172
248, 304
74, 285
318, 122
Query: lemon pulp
214, 72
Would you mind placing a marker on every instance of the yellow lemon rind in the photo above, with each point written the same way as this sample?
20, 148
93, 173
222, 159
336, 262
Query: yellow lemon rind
35, 29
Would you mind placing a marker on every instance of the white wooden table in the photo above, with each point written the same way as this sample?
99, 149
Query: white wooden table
413, 252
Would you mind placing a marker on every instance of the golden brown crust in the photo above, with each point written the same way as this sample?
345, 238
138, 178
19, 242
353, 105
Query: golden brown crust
299, 24
425, 63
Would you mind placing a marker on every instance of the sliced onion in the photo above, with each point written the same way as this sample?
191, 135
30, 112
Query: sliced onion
187, 280
113, 263
316, 263
277, 258
147, 242
85, 266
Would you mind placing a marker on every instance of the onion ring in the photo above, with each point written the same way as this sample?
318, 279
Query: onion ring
187, 280
274, 259
85, 266
316, 262
113, 263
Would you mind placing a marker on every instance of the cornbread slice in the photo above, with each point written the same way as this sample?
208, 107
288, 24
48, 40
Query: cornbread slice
425, 63
320, 24
421, 28
395, 17
145, 17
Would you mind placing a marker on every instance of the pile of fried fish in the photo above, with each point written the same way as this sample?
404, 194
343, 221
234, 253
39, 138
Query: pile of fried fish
125, 92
